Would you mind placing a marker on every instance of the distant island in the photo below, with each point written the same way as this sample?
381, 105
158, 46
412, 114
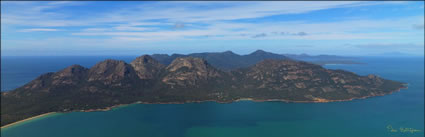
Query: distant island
222, 77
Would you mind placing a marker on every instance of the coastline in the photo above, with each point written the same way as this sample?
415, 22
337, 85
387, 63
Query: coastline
317, 100
27, 119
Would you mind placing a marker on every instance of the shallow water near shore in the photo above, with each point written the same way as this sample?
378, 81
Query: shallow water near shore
371, 117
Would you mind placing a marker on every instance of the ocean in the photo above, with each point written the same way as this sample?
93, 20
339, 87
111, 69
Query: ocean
392, 115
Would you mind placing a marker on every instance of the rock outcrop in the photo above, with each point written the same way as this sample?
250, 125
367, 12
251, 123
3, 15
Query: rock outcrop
146, 67
189, 71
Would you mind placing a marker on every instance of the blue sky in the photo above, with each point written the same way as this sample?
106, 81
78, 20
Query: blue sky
135, 28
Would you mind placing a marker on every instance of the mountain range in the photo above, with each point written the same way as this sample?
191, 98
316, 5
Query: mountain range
223, 60
228, 60
221, 77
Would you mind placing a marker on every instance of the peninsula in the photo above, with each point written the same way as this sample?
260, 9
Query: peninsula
260, 76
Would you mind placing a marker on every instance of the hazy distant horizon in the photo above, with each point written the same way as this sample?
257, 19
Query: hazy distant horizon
393, 54
376, 55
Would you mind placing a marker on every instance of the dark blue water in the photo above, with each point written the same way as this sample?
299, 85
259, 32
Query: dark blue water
370, 117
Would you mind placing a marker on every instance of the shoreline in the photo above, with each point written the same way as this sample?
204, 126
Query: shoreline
27, 119
317, 100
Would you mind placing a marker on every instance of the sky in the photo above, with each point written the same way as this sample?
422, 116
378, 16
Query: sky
84, 28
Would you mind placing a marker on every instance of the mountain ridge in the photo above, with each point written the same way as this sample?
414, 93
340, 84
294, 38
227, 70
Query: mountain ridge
186, 79
228, 60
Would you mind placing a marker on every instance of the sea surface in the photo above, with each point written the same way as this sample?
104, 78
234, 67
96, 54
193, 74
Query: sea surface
381, 116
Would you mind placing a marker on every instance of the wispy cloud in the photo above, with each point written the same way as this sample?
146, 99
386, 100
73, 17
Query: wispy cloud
37, 29
41, 14
259, 35
135, 22
418, 27
277, 30
128, 28
178, 26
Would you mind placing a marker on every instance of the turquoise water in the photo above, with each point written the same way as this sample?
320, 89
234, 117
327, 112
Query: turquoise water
359, 118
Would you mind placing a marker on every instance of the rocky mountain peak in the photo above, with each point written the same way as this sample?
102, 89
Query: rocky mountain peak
188, 62
107, 66
71, 75
110, 71
72, 70
146, 67
144, 60
189, 71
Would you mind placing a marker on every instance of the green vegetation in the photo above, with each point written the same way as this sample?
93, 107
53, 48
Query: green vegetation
186, 79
